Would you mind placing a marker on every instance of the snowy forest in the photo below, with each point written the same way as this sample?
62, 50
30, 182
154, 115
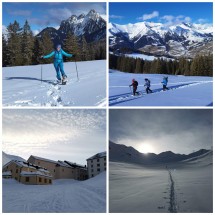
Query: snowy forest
198, 66
20, 47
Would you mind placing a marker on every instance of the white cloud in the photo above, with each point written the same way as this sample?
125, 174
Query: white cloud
20, 12
202, 21
169, 20
149, 16
115, 17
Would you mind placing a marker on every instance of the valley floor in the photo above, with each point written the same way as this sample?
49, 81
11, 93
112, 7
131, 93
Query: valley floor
179, 188
184, 90
64, 196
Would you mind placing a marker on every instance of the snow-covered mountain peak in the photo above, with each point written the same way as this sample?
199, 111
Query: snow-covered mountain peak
160, 39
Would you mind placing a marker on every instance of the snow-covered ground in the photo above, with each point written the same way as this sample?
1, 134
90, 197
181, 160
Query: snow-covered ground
184, 90
64, 196
22, 85
181, 187
147, 57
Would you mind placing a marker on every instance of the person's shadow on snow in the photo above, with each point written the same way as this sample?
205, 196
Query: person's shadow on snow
28, 78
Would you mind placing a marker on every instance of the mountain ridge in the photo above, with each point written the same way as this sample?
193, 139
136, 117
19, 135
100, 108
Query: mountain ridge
185, 39
120, 152
92, 26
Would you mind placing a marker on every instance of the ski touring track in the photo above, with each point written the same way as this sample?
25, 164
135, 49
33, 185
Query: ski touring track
117, 99
172, 198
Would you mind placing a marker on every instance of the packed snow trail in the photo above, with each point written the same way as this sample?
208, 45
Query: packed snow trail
113, 100
22, 85
194, 90
63, 196
173, 205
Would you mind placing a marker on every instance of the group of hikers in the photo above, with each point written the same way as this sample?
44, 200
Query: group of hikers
147, 85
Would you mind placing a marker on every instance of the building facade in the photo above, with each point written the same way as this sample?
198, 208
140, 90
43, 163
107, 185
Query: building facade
96, 164
61, 169
27, 173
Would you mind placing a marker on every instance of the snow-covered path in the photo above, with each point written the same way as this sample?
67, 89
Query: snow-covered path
22, 85
184, 90
180, 187
63, 196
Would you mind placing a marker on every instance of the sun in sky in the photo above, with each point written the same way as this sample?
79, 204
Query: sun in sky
145, 148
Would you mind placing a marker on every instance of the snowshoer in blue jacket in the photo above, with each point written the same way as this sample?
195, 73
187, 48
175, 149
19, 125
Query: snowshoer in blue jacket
164, 82
147, 85
58, 62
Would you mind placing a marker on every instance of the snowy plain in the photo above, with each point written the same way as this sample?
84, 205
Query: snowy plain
64, 196
22, 85
184, 90
181, 187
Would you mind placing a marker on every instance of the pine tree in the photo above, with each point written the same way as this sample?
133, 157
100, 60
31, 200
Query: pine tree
47, 46
85, 50
5, 53
27, 44
38, 51
71, 46
14, 44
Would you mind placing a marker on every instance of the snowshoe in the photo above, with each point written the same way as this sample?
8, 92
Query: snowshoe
64, 80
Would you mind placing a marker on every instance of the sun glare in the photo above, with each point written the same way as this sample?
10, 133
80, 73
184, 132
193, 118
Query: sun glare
146, 148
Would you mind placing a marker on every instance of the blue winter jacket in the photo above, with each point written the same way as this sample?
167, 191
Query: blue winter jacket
165, 81
58, 55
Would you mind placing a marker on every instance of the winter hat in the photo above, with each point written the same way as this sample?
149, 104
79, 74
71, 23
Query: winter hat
133, 80
58, 46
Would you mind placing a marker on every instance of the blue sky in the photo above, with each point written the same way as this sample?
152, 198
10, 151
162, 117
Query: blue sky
159, 130
124, 13
41, 15
73, 135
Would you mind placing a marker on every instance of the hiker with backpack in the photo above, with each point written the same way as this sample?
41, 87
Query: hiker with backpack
164, 82
58, 62
134, 84
147, 85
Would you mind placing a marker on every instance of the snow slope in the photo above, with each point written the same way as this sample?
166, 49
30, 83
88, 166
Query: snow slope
181, 187
7, 158
184, 90
64, 196
22, 85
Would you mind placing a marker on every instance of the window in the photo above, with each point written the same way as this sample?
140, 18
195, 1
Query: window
27, 179
16, 170
104, 159
91, 166
91, 170
91, 161
98, 169
105, 163
105, 168
54, 170
92, 175
45, 180
50, 181
40, 179
97, 160
38, 163
98, 164
62, 170
16, 178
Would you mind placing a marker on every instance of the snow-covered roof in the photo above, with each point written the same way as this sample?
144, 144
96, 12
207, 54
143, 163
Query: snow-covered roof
26, 173
7, 173
71, 164
44, 159
98, 155
27, 164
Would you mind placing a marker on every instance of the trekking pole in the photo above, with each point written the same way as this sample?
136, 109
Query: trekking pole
41, 74
76, 69
130, 88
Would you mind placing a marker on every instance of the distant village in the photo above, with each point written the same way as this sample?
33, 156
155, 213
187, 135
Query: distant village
41, 171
